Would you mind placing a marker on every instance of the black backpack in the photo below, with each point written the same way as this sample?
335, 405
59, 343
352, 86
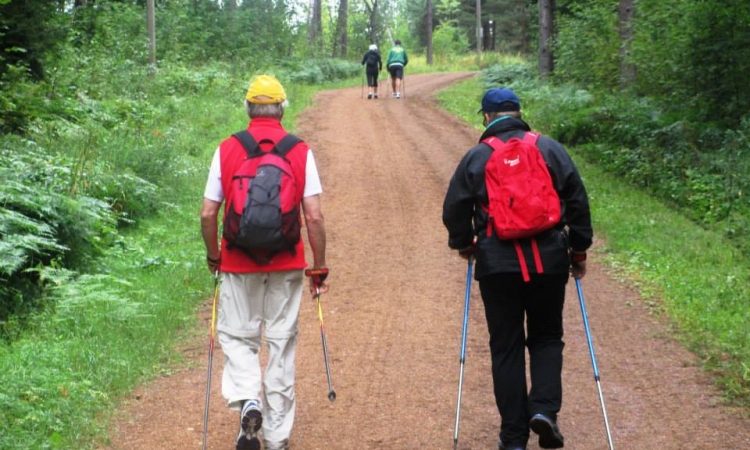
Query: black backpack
372, 58
263, 217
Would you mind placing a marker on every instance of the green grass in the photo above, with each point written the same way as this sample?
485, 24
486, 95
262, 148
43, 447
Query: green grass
696, 277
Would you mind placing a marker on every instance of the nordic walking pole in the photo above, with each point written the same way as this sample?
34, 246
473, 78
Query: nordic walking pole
593, 360
462, 360
210, 357
318, 276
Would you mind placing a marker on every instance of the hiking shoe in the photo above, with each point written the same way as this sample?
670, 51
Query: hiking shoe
376, 96
398, 95
548, 431
369, 96
250, 421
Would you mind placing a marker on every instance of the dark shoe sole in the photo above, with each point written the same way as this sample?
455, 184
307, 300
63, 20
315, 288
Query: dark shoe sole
251, 423
244, 443
549, 434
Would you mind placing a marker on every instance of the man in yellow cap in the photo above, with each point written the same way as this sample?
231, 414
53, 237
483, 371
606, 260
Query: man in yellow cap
262, 278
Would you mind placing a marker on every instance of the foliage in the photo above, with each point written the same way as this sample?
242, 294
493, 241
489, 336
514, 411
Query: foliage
449, 43
21, 43
43, 223
20, 100
319, 71
694, 57
507, 71
587, 45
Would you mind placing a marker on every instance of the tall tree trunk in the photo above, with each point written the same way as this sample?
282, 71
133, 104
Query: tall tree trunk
627, 70
546, 36
341, 42
429, 32
151, 27
316, 27
372, 9
524, 37
480, 30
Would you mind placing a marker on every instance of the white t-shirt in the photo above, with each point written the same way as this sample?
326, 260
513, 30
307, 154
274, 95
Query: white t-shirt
215, 192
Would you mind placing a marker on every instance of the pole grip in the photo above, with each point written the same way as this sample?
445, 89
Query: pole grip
318, 275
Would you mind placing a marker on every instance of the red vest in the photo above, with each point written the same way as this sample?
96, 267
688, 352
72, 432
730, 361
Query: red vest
232, 154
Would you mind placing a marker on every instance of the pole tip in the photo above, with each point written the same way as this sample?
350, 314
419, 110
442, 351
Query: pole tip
332, 396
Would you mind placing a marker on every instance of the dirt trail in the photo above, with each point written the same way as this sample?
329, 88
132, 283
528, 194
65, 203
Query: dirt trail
394, 314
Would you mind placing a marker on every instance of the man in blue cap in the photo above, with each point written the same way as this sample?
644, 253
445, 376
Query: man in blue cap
511, 289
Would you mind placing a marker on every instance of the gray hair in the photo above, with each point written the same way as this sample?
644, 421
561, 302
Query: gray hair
271, 111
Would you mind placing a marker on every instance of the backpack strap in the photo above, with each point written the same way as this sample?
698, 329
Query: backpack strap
495, 142
252, 147
286, 144
530, 137
522, 259
249, 143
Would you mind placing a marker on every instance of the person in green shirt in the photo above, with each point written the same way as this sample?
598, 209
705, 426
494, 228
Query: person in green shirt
395, 63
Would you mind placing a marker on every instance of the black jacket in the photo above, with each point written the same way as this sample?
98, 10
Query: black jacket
373, 62
464, 218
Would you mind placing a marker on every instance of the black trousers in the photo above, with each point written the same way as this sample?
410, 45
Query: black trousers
372, 77
507, 299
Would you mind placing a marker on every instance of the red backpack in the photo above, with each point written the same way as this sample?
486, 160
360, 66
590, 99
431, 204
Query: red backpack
263, 212
522, 199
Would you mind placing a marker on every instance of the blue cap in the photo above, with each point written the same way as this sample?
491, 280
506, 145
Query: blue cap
500, 99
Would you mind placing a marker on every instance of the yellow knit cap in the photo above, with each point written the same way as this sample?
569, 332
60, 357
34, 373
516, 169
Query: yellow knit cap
265, 90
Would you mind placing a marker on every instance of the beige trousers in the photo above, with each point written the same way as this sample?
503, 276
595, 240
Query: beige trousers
253, 305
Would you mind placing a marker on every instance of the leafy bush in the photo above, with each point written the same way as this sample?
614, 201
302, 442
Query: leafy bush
587, 45
21, 100
449, 43
43, 221
317, 71
508, 72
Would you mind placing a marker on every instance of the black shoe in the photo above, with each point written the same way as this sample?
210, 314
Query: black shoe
369, 96
250, 422
502, 447
548, 431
